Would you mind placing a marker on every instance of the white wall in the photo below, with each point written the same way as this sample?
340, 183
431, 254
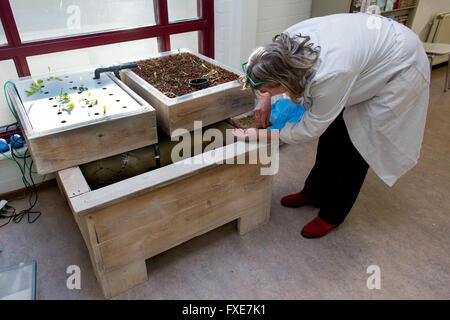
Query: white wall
426, 11
276, 16
242, 25
235, 30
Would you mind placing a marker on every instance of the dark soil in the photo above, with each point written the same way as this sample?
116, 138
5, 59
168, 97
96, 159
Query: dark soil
171, 74
246, 122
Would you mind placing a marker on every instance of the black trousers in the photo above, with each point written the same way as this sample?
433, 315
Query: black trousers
338, 174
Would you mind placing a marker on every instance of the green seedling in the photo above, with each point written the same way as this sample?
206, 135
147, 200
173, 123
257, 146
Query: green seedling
154, 62
104, 109
53, 78
63, 98
69, 107
89, 102
179, 83
35, 87
83, 88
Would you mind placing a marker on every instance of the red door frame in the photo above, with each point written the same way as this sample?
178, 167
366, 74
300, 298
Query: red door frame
18, 51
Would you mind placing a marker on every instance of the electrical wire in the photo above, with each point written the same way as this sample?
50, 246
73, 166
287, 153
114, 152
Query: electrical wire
9, 212
6, 97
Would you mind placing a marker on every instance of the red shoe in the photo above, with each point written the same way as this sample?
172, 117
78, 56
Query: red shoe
297, 200
317, 228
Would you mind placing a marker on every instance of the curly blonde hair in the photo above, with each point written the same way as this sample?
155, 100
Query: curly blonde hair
285, 62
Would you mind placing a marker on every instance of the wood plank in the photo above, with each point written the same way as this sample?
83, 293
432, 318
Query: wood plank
125, 278
210, 109
70, 148
139, 86
174, 214
116, 220
149, 181
72, 182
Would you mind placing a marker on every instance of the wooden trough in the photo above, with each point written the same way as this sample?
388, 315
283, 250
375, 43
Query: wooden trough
129, 221
209, 105
60, 136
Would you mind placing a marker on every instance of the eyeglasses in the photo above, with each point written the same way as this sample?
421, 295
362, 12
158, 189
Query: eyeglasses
254, 85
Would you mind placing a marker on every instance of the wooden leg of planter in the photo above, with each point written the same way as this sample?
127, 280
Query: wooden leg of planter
125, 278
254, 219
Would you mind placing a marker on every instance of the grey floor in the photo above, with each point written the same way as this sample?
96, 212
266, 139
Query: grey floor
404, 230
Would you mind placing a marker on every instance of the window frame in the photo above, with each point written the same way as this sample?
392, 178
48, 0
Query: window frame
19, 51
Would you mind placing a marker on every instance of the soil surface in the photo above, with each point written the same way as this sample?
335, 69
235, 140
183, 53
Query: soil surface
171, 74
246, 122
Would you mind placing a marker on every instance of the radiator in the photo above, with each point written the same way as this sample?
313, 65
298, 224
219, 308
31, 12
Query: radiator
440, 33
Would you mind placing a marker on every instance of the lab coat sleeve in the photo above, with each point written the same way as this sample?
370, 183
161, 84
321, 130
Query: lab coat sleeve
329, 96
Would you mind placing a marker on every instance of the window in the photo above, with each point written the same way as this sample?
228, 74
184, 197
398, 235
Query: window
44, 19
38, 29
180, 10
2, 36
187, 40
8, 72
117, 53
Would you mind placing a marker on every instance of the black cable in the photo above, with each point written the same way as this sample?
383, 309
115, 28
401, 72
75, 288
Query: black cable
9, 211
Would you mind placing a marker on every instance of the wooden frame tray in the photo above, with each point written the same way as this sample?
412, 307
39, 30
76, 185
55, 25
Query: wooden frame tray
127, 222
122, 121
210, 105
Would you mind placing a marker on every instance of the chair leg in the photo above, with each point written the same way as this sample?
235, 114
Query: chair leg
447, 75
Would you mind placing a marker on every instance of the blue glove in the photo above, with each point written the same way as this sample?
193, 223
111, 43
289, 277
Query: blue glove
284, 111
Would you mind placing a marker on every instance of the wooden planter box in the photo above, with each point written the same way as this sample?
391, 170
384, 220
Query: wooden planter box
127, 222
209, 105
121, 121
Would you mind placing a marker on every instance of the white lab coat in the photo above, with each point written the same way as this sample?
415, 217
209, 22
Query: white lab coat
378, 70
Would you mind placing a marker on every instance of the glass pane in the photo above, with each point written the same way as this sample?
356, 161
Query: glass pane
8, 72
2, 35
188, 40
94, 57
182, 10
50, 19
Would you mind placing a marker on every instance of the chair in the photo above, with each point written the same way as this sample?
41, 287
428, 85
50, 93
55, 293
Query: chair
434, 50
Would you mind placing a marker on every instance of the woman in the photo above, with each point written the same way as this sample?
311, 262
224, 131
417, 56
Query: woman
364, 81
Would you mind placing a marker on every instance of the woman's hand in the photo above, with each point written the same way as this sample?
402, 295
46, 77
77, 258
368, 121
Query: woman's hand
262, 110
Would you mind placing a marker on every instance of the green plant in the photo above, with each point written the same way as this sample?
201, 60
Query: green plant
63, 97
35, 87
69, 107
179, 83
81, 87
153, 60
90, 101
53, 78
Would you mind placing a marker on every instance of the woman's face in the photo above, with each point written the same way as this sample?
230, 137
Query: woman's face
272, 91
